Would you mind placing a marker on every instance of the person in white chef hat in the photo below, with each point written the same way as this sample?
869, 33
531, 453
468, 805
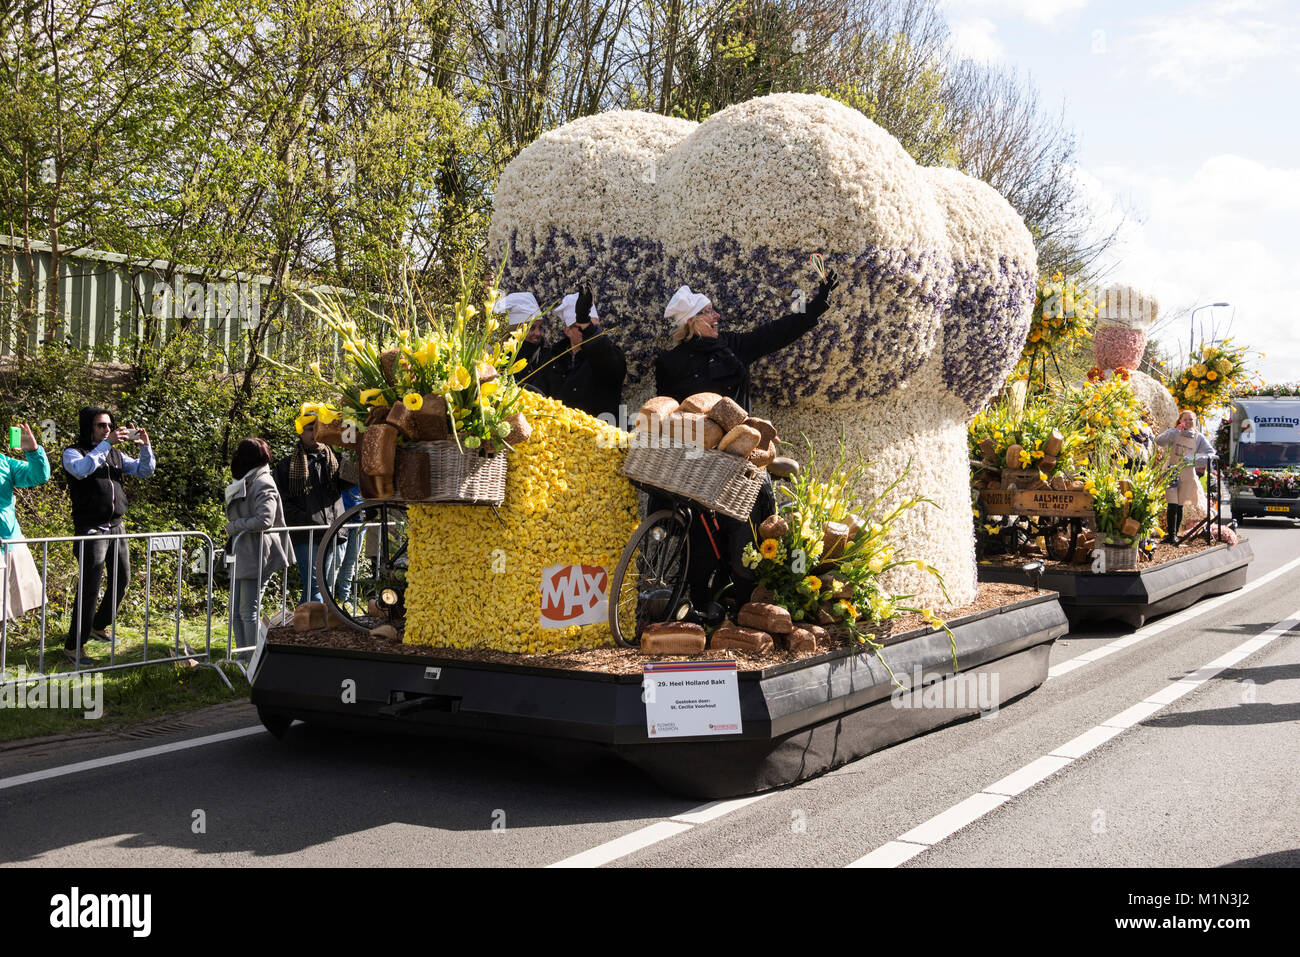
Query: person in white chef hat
518, 308
705, 359
584, 370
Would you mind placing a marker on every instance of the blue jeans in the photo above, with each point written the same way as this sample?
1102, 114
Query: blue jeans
343, 583
305, 553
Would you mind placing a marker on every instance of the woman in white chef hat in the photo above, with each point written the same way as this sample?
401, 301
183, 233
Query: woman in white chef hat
706, 359
521, 307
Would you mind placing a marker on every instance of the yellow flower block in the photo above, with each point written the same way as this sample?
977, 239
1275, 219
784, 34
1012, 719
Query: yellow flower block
473, 584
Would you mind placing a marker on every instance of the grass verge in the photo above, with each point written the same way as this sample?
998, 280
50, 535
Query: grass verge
127, 696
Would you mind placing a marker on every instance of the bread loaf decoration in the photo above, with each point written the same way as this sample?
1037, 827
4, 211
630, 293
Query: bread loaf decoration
728, 413
654, 414
673, 638
739, 638
740, 441
701, 402
379, 458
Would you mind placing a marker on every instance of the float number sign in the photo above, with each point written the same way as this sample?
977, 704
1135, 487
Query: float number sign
574, 595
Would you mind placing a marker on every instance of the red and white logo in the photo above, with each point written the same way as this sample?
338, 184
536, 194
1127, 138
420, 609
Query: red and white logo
574, 595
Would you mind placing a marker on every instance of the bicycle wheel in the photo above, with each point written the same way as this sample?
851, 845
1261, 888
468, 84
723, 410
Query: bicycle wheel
650, 581
372, 592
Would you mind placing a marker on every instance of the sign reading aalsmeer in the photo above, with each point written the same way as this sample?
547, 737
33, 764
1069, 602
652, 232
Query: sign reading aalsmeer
1037, 502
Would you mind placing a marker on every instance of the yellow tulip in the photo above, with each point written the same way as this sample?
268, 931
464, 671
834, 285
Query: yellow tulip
459, 379
518, 366
373, 397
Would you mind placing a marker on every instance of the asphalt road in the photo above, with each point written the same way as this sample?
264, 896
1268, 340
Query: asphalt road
1206, 779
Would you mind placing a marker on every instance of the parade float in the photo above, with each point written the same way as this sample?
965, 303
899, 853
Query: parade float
1068, 490
507, 605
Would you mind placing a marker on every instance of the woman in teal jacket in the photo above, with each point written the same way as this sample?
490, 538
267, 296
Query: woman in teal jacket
22, 582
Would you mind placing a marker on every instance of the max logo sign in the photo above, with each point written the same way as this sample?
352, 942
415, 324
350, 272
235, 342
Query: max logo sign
574, 595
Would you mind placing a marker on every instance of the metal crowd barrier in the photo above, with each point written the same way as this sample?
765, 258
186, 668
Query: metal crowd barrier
361, 529
172, 541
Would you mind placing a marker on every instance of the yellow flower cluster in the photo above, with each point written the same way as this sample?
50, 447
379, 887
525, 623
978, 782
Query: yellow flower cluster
1062, 320
474, 584
1213, 374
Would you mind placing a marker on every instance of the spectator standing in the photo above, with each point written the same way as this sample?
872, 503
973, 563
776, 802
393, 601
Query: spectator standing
23, 590
253, 505
95, 473
311, 487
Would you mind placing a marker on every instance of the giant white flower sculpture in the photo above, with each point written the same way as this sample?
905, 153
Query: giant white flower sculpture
937, 278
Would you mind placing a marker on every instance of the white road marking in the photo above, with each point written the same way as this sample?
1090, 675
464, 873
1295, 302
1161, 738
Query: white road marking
625, 845
891, 854
65, 769
1164, 624
946, 823
707, 812
896, 852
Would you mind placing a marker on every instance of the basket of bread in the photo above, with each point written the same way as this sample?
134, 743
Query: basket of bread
707, 449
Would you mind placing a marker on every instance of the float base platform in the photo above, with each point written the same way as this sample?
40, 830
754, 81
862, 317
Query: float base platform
1136, 596
799, 719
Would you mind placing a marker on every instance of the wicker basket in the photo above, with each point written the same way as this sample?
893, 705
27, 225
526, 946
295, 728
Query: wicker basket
1121, 558
727, 484
443, 472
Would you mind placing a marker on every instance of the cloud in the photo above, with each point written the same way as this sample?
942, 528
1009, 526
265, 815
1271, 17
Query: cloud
975, 39
1210, 45
1042, 12
1223, 233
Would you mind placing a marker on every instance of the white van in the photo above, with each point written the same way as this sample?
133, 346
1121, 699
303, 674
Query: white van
1265, 436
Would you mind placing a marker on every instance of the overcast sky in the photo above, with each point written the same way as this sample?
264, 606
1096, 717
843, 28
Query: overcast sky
1186, 117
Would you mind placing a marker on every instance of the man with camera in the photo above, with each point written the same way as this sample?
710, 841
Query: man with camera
95, 472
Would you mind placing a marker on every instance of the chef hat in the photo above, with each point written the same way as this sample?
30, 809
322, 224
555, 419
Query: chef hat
685, 305
568, 310
521, 306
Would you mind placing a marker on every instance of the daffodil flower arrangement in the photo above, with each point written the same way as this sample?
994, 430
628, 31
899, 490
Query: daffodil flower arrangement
1002, 425
1123, 492
456, 350
1106, 413
1064, 313
1212, 375
844, 584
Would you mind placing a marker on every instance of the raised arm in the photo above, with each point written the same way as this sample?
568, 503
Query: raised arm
82, 465
33, 471
779, 333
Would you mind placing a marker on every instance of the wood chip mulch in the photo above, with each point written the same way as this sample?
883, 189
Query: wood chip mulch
1163, 553
627, 661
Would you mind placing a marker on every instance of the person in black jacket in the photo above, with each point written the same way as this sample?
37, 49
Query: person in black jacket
708, 360
311, 488
95, 472
521, 307
585, 370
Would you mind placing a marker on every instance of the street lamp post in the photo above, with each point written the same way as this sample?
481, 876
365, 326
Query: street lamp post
1191, 334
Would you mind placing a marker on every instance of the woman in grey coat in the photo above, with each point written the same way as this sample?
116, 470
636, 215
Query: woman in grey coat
253, 505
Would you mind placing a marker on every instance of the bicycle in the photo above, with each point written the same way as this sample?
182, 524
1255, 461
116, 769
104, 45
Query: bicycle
377, 596
658, 558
